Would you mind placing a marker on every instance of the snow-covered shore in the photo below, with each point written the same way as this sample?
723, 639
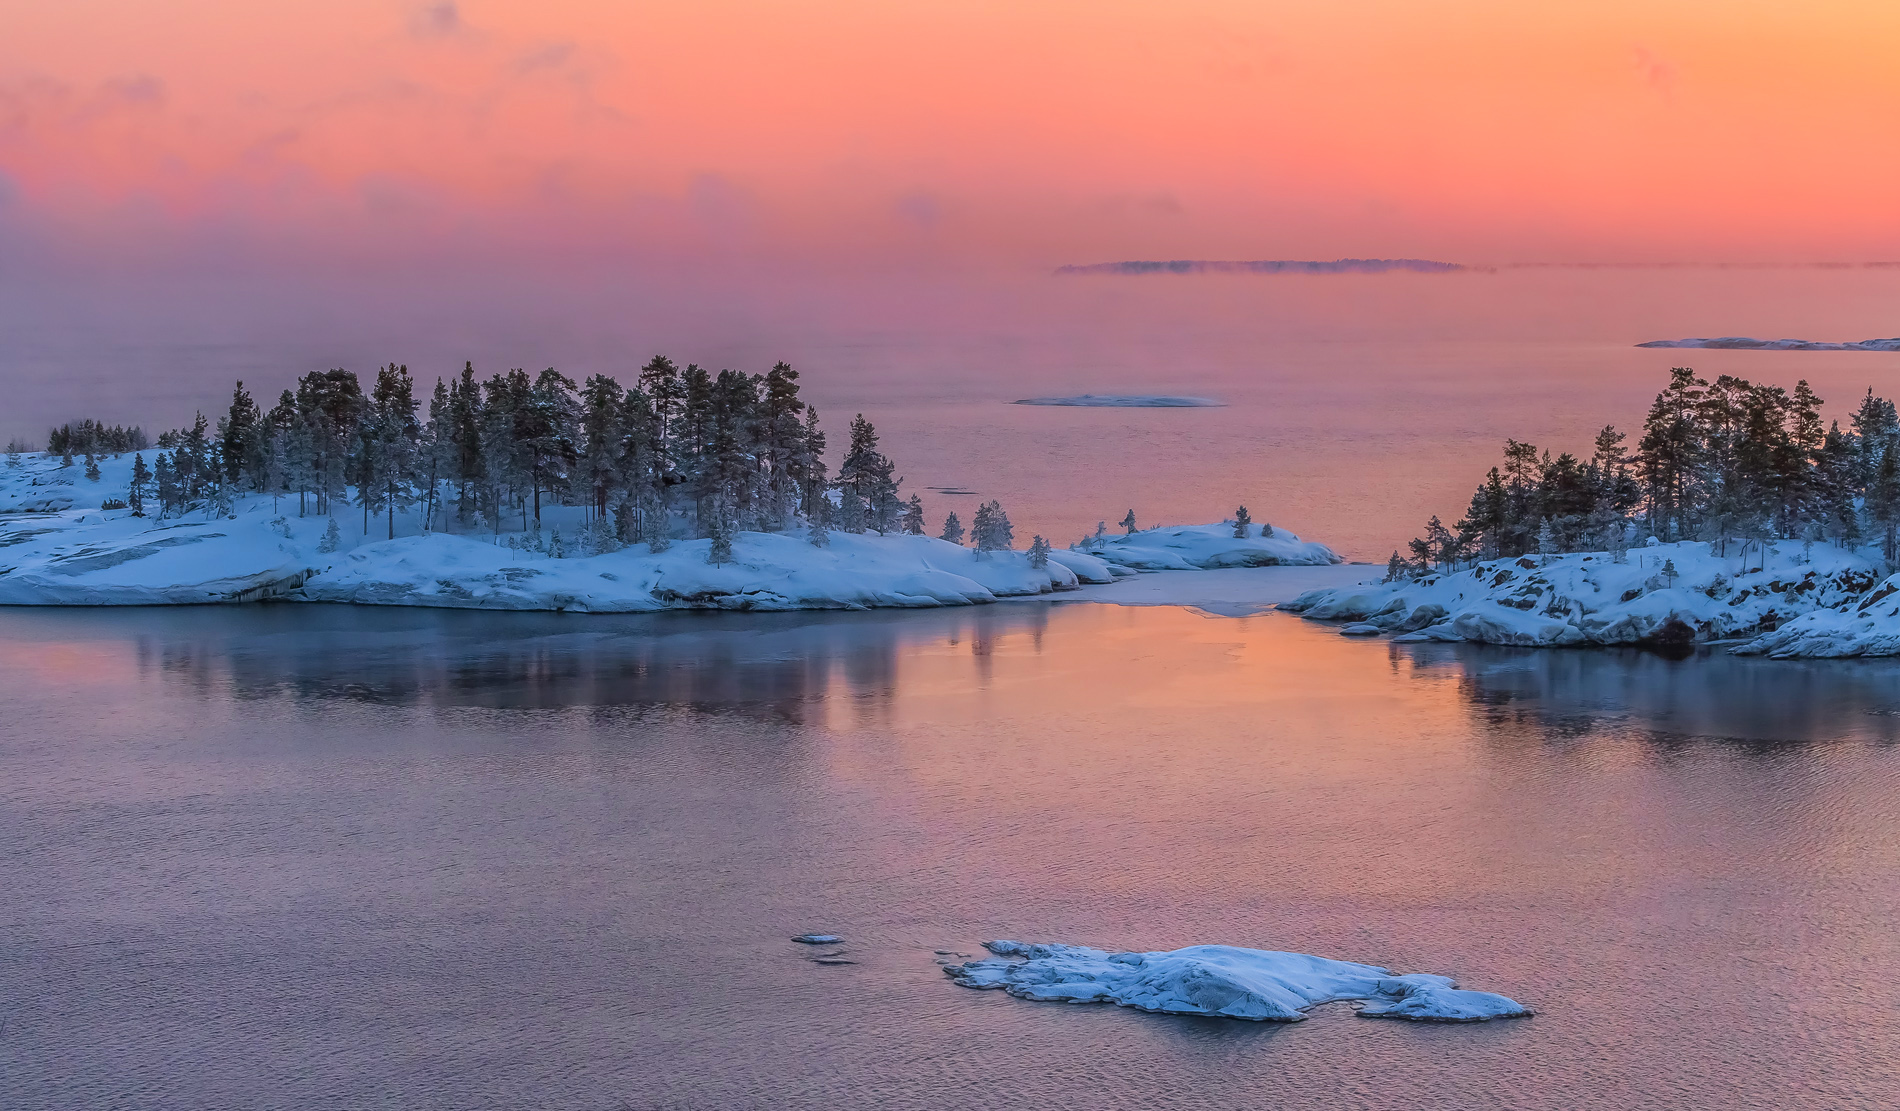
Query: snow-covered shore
1224, 981
1787, 598
58, 548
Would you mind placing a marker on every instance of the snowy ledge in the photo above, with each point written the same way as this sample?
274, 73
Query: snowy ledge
53, 552
1224, 981
1787, 599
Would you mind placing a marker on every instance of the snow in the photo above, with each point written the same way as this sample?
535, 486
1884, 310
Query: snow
1746, 343
1224, 981
57, 547
1126, 401
1224, 592
1205, 547
818, 939
1870, 627
1801, 599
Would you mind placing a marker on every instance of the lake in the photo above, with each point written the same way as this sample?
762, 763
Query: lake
355, 858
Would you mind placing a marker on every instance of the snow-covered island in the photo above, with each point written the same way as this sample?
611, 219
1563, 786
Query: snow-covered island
1224, 981
57, 547
685, 490
1741, 516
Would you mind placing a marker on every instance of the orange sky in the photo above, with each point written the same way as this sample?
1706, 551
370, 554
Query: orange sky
967, 132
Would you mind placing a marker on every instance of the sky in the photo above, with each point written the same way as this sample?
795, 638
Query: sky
844, 137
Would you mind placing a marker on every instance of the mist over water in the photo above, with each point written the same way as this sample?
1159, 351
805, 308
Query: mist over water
357, 857
1356, 405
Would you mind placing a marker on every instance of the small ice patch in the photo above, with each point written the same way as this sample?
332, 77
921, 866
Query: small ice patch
1126, 401
1362, 629
1224, 981
818, 939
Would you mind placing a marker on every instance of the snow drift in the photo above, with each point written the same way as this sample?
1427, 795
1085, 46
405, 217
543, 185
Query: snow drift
1224, 981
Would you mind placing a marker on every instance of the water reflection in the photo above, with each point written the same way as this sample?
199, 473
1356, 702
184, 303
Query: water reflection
1710, 695
769, 663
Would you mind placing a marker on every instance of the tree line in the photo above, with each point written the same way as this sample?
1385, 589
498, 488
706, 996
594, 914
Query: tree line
681, 451
1717, 460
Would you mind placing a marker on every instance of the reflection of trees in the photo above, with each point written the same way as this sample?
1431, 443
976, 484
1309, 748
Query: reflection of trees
1710, 694
773, 663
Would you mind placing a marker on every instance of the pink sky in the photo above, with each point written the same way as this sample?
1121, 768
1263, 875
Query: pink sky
964, 134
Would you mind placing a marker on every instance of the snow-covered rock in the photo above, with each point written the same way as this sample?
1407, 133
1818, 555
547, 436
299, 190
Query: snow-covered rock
1224, 981
1870, 627
1665, 594
1205, 547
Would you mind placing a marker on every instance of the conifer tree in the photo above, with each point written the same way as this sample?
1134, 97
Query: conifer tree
913, 522
1394, 568
1128, 523
720, 550
92, 467
141, 479
1546, 540
1241, 521
1039, 553
332, 538
170, 493
991, 530
952, 529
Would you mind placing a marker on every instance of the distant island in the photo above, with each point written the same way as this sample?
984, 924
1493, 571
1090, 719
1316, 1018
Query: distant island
1126, 401
1746, 343
1269, 266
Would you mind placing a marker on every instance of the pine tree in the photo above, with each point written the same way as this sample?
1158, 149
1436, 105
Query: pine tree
1128, 523
332, 538
721, 549
1546, 540
1883, 496
1241, 521
557, 547
913, 522
817, 535
1101, 533
1394, 568
952, 530
165, 477
1039, 553
141, 478
1669, 573
92, 467
991, 530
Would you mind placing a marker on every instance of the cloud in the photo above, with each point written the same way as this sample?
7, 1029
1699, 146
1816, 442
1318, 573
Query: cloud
1658, 73
436, 21
920, 209
552, 56
139, 89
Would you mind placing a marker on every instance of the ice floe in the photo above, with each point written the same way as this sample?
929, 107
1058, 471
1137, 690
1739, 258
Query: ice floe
1126, 401
1224, 981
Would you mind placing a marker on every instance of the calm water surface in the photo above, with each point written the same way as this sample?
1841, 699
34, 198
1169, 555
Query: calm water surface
314, 857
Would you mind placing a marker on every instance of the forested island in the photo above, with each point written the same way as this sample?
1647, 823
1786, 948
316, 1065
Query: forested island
700, 490
1750, 518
